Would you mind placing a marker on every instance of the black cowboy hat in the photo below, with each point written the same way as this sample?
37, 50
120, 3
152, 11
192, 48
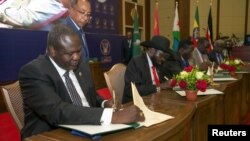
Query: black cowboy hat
148, 44
162, 43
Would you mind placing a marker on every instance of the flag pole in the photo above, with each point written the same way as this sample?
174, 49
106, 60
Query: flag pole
156, 19
135, 5
209, 32
196, 26
176, 29
136, 50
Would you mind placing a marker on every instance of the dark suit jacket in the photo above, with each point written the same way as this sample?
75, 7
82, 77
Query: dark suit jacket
126, 51
138, 72
171, 66
47, 102
69, 22
212, 57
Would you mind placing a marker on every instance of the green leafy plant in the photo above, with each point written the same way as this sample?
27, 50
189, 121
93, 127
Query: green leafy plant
191, 78
232, 64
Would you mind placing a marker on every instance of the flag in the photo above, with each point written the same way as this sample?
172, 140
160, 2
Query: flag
209, 34
196, 27
176, 30
156, 20
136, 49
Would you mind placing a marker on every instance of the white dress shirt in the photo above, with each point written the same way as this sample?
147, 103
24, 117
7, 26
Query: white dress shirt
107, 112
150, 68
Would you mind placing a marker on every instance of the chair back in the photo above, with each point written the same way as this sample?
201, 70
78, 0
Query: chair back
13, 99
115, 80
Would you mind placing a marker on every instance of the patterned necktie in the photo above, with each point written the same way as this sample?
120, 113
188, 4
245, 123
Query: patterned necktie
156, 79
72, 90
185, 63
85, 46
219, 58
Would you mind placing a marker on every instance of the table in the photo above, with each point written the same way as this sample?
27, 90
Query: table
191, 117
178, 128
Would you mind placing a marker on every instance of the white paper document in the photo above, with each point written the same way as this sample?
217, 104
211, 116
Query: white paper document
151, 117
224, 79
97, 129
239, 72
207, 92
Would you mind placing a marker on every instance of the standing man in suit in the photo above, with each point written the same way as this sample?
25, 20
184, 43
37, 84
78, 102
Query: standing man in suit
127, 48
142, 71
79, 17
57, 88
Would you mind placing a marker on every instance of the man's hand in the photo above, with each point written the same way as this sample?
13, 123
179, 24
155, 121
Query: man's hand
115, 105
205, 65
128, 115
165, 85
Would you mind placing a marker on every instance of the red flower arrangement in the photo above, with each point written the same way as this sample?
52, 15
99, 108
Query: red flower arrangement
232, 64
191, 79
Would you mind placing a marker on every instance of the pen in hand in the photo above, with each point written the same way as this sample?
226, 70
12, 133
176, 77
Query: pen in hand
167, 83
166, 77
114, 100
117, 106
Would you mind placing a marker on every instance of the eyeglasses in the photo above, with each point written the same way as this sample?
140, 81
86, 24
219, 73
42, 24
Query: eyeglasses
83, 13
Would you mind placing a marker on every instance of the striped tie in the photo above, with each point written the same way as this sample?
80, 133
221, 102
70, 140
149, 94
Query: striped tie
76, 99
156, 79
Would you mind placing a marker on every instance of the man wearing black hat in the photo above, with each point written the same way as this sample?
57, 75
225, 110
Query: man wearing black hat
172, 61
141, 71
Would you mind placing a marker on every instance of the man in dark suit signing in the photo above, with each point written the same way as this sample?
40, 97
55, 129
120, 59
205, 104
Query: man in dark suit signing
57, 88
171, 64
79, 17
142, 71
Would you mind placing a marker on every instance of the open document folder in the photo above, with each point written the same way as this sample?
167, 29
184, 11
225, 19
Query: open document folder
93, 130
151, 117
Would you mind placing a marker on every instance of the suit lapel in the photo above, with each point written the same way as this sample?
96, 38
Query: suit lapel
83, 84
58, 82
70, 23
147, 69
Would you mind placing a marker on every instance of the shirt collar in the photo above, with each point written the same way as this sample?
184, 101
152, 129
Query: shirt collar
149, 61
78, 28
60, 70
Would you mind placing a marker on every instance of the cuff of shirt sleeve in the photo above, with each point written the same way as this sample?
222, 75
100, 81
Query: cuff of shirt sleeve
103, 103
106, 116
